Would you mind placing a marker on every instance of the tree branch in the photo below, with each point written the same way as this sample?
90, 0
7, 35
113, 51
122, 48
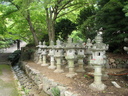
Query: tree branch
73, 5
69, 11
59, 1
14, 4
64, 6
56, 8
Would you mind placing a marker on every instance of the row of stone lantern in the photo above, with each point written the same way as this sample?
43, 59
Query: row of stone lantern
56, 52
94, 52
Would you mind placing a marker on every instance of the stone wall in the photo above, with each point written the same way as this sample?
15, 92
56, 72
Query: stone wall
45, 84
117, 63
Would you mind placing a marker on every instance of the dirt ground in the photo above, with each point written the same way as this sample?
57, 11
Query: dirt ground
80, 83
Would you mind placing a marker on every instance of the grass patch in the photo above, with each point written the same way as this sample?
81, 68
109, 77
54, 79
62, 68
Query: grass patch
55, 91
3, 66
7, 88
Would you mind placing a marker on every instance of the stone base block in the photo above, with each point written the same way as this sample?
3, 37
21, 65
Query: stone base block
80, 70
52, 67
39, 62
70, 75
44, 64
97, 87
59, 71
89, 67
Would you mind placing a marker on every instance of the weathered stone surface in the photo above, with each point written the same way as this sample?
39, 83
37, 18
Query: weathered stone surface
98, 55
112, 60
97, 87
67, 93
44, 83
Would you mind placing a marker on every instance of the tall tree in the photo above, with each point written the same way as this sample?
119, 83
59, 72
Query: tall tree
20, 8
23, 6
57, 8
86, 22
63, 28
112, 19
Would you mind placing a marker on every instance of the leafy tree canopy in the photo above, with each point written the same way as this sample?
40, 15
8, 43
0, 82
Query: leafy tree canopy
64, 28
112, 19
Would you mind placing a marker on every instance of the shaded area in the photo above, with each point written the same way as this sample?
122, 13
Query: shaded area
28, 85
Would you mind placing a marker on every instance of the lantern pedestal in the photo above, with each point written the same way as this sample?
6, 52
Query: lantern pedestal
97, 85
80, 52
81, 67
51, 54
52, 66
70, 66
40, 59
44, 61
58, 65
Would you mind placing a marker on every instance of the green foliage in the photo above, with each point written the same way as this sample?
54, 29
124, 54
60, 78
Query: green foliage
125, 9
14, 57
88, 28
88, 76
13, 14
27, 91
4, 43
108, 14
55, 91
114, 23
77, 36
3, 66
7, 85
86, 22
85, 13
101, 3
64, 28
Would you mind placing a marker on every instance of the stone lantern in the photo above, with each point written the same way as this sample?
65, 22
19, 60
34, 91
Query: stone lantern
98, 53
70, 56
88, 51
58, 56
39, 52
44, 53
51, 54
80, 55
126, 48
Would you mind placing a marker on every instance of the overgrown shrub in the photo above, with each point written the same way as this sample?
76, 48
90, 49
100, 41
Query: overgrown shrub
55, 91
14, 57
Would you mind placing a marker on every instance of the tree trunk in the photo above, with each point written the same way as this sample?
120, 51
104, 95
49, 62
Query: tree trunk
50, 25
32, 28
52, 29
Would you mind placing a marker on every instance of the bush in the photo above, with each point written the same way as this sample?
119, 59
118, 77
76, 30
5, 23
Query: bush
14, 57
55, 91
